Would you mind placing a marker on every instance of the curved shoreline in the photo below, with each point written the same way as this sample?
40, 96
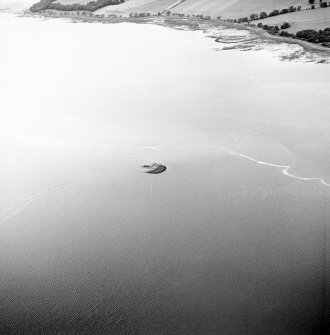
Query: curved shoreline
190, 24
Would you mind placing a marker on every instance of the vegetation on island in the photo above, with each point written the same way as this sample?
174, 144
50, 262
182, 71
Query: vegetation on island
90, 6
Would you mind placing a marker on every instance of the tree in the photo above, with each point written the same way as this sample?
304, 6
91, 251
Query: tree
311, 1
243, 19
274, 13
254, 16
263, 15
285, 34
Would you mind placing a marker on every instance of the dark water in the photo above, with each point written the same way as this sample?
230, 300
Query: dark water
194, 257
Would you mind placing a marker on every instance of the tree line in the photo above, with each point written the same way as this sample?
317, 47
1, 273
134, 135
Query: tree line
309, 35
264, 15
275, 12
90, 6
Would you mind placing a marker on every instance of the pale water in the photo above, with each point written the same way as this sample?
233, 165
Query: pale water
231, 239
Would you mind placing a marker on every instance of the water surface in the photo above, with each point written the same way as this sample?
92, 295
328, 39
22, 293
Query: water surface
217, 244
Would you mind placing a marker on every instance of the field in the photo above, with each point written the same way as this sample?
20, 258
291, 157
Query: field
310, 19
318, 18
304, 19
234, 8
139, 6
71, 2
224, 8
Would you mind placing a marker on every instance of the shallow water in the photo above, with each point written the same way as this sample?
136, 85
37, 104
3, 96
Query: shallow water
222, 242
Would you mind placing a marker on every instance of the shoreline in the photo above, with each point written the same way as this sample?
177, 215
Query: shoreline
192, 24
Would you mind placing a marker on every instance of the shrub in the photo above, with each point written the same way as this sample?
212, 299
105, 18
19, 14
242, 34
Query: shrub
323, 4
285, 34
272, 30
285, 25
243, 19
307, 34
324, 38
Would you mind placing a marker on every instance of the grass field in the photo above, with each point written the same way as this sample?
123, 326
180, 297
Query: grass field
235, 8
309, 19
139, 6
225, 8
305, 19
71, 2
